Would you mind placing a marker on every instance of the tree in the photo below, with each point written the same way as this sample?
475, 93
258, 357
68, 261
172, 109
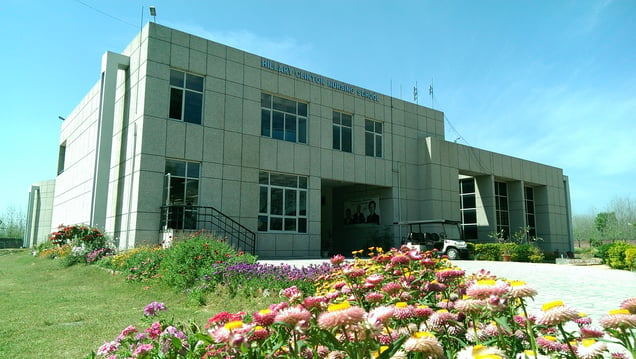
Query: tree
12, 223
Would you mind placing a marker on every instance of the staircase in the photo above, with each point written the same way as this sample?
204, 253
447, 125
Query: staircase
191, 218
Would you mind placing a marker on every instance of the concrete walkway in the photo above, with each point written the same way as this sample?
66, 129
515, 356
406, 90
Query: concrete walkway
591, 289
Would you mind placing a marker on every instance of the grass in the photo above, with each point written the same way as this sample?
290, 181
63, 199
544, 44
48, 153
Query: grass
51, 311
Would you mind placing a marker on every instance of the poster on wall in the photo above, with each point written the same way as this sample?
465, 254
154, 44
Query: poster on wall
362, 211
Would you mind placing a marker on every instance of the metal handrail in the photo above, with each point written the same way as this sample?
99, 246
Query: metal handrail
184, 217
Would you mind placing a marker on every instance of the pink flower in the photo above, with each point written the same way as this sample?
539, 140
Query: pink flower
630, 305
337, 259
618, 318
470, 305
449, 275
314, 302
400, 260
379, 315
264, 317
153, 308
403, 311
374, 297
519, 289
590, 349
392, 288
142, 349
339, 315
440, 318
548, 343
108, 347
425, 343
587, 332
555, 313
128, 330
486, 288
292, 293
375, 279
294, 316
154, 330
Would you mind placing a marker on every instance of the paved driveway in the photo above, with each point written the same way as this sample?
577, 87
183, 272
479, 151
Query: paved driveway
591, 289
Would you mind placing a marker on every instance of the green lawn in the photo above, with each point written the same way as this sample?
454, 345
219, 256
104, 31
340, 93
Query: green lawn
50, 311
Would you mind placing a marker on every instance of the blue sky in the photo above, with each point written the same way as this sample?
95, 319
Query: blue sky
549, 81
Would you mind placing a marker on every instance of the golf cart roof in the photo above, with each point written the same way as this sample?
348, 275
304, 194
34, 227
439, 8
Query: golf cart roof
430, 221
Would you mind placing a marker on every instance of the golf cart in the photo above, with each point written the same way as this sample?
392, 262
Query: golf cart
442, 234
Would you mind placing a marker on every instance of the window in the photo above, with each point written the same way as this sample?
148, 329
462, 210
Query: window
468, 207
61, 158
373, 138
186, 97
530, 214
342, 131
282, 203
501, 203
181, 193
283, 119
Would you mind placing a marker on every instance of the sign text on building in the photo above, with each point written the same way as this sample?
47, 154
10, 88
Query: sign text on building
307, 76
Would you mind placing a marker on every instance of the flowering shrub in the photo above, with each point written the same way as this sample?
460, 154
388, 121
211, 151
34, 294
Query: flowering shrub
80, 234
138, 264
248, 279
186, 262
399, 304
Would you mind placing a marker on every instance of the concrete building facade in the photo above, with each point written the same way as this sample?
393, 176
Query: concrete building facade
177, 125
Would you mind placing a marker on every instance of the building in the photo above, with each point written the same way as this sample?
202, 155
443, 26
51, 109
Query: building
182, 133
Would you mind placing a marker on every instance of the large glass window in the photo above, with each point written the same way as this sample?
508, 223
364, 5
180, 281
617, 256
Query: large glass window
501, 203
282, 203
181, 192
530, 212
468, 206
342, 129
373, 138
283, 119
186, 97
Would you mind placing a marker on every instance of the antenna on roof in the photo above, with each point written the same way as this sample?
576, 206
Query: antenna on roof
415, 93
430, 92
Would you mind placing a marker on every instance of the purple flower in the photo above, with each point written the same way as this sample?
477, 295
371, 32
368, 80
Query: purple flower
153, 308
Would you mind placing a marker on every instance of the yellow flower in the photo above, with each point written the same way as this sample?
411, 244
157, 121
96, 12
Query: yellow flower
618, 311
553, 304
338, 306
235, 324
401, 305
265, 311
486, 282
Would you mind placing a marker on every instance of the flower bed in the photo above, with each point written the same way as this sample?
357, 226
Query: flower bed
399, 304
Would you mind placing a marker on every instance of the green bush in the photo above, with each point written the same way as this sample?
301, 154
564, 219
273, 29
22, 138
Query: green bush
139, 264
471, 249
616, 255
487, 251
186, 262
630, 258
602, 251
527, 253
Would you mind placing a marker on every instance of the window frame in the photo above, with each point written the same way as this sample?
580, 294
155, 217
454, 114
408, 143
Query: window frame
502, 214
469, 228
279, 121
277, 188
338, 131
184, 100
531, 216
373, 138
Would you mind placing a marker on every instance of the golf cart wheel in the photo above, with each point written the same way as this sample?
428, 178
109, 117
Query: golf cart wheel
452, 253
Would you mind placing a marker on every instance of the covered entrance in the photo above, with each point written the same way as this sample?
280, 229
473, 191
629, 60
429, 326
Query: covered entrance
355, 216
